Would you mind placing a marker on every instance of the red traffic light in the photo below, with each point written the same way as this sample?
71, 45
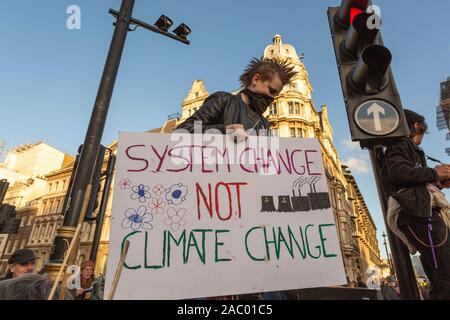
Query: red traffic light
358, 36
348, 11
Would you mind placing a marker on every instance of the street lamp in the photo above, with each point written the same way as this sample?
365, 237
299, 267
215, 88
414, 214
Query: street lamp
164, 23
182, 31
82, 175
161, 26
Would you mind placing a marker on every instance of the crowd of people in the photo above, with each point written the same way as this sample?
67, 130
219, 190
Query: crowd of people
23, 282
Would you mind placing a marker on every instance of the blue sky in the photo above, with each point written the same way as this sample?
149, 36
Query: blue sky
50, 75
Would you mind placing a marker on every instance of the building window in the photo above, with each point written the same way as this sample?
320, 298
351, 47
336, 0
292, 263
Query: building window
297, 108
50, 230
300, 133
24, 242
292, 132
291, 107
11, 246
16, 245
57, 206
294, 108
273, 109
63, 184
56, 186
195, 95
41, 232
50, 187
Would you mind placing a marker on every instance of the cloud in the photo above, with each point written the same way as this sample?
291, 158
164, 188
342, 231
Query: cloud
350, 145
357, 165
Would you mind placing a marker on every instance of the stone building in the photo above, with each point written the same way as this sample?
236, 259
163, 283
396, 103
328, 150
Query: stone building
25, 168
365, 234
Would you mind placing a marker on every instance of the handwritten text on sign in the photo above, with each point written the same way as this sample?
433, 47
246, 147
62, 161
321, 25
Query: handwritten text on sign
206, 217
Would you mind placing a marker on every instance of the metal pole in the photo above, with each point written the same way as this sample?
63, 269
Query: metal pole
93, 137
68, 195
401, 259
388, 258
103, 205
4, 184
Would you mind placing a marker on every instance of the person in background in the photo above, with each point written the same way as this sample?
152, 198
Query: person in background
360, 283
28, 286
90, 287
408, 180
390, 289
21, 262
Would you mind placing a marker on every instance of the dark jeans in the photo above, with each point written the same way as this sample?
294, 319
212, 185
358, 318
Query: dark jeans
440, 277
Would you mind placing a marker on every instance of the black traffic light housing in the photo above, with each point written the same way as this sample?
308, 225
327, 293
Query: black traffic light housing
96, 185
9, 223
4, 184
374, 108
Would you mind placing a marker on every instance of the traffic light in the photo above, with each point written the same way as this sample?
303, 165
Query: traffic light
93, 198
8, 221
373, 105
3, 188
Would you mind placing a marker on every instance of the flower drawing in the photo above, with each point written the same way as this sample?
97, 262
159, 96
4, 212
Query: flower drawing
156, 205
176, 194
175, 218
137, 219
158, 190
140, 192
125, 183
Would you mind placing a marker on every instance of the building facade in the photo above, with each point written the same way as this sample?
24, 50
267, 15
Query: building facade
443, 110
25, 168
364, 230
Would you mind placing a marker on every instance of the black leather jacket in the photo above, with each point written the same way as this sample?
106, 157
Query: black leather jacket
222, 109
405, 168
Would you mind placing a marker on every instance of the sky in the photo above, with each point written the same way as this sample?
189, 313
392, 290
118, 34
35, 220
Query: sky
50, 74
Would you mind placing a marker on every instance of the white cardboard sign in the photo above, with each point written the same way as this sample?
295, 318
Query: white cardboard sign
206, 216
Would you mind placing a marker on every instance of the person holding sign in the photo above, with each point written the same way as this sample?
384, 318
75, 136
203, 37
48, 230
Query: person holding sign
224, 112
240, 114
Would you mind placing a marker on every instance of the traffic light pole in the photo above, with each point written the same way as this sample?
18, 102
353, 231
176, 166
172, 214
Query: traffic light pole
103, 204
373, 104
401, 258
91, 145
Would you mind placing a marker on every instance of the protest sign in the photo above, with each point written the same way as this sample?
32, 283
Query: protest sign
206, 216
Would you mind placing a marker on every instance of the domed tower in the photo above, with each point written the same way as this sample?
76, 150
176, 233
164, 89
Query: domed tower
293, 113
194, 100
